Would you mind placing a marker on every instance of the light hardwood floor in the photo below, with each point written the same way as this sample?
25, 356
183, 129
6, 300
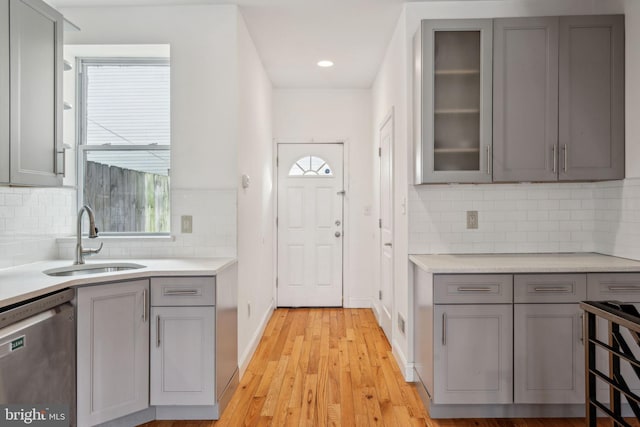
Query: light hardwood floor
332, 367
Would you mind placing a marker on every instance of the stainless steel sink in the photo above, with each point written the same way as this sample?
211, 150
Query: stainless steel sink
84, 269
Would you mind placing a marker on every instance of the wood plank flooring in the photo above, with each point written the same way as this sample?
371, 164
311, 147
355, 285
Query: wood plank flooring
332, 367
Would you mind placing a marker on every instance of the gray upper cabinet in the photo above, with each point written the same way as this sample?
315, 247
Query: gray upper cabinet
591, 101
525, 99
34, 93
453, 101
553, 112
4, 91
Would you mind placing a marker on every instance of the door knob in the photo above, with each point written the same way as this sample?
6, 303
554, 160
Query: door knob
337, 234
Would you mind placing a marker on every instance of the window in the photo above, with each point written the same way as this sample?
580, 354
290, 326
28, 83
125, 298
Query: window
124, 143
310, 166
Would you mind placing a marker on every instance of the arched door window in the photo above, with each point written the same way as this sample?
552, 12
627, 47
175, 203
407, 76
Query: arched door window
310, 166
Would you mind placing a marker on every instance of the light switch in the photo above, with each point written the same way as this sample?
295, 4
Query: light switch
187, 223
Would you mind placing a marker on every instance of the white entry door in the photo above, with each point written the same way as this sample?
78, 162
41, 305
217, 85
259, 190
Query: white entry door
386, 226
310, 225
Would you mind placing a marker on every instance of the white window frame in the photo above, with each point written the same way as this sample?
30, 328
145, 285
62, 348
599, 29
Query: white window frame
81, 131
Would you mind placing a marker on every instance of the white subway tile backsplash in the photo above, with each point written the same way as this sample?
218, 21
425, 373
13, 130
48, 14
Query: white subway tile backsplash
30, 221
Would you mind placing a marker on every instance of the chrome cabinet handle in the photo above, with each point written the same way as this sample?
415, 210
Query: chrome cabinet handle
488, 160
551, 289
582, 328
158, 331
388, 244
444, 329
64, 162
473, 289
144, 306
566, 155
624, 288
553, 163
181, 292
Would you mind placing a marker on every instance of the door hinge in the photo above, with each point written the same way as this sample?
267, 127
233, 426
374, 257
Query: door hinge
379, 222
276, 221
277, 161
379, 151
380, 295
276, 282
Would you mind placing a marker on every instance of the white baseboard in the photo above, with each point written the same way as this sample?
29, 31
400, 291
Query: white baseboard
405, 367
358, 303
245, 358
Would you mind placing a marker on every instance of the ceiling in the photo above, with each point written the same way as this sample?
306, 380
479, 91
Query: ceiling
293, 35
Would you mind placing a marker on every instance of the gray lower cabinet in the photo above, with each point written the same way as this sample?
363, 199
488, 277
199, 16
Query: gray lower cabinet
483, 375
614, 287
112, 351
548, 353
182, 356
548, 348
591, 98
525, 93
183, 341
34, 153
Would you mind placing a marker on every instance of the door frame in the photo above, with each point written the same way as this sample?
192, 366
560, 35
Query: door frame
346, 218
390, 116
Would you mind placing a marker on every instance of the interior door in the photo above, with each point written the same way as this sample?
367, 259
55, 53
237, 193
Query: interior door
386, 226
310, 225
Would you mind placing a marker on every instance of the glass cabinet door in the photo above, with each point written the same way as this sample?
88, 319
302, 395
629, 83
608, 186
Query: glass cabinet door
456, 101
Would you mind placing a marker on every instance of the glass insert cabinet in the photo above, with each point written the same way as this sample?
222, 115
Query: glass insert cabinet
453, 105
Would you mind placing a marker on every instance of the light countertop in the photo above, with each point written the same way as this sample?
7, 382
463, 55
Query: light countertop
28, 281
524, 263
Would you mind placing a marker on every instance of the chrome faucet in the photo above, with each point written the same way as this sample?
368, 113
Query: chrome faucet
93, 233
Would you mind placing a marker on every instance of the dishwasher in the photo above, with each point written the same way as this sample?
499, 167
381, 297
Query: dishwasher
37, 353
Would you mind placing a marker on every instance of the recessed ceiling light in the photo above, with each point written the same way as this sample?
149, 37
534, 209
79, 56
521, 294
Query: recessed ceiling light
325, 63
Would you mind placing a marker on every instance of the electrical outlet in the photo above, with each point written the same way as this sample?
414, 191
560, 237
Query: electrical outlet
472, 220
401, 323
186, 222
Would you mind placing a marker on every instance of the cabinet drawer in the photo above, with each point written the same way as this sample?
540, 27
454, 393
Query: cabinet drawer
549, 288
623, 287
472, 288
176, 291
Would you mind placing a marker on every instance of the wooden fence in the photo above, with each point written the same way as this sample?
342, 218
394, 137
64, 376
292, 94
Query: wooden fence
125, 200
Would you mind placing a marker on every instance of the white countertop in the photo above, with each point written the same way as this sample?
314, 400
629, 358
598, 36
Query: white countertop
28, 281
524, 263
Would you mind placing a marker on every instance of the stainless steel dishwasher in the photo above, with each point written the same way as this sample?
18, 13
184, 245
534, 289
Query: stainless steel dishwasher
37, 352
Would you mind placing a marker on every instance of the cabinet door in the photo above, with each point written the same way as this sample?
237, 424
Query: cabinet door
183, 356
591, 103
525, 99
4, 91
456, 100
113, 351
36, 93
548, 353
483, 375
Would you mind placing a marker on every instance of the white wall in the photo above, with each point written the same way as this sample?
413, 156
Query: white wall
340, 115
256, 282
392, 88
204, 118
203, 79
